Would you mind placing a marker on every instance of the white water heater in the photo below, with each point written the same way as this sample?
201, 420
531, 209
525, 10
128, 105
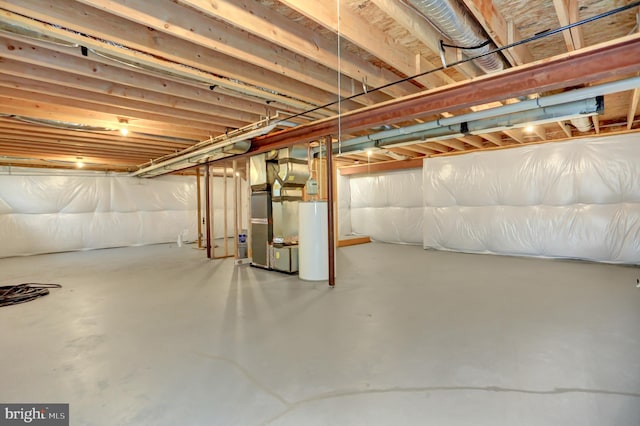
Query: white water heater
313, 242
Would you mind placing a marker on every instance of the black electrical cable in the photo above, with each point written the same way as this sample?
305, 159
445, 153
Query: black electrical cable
479, 46
21, 293
462, 61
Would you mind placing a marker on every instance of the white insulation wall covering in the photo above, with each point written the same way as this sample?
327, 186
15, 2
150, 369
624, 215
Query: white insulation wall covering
50, 211
344, 206
578, 199
388, 207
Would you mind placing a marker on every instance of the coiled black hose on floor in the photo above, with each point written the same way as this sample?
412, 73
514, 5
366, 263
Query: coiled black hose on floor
20, 293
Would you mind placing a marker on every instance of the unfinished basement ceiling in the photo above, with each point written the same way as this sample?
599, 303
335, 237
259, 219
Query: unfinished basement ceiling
73, 73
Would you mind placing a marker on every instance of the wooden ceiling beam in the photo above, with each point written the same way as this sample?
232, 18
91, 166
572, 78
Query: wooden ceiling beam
109, 76
116, 144
633, 107
420, 149
541, 132
62, 113
19, 127
120, 115
361, 33
184, 97
268, 24
403, 151
495, 139
34, 151
604, 60
387, 166
55, 164
108, 161
567, 11
48, 135
97, 23
501, 32
307, 56
377, 155
475, 141
565, 128
515, 134
434, 146
80, 149
145, 63
596, 123
217, 116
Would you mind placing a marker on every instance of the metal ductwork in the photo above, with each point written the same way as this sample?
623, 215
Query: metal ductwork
583, 124
454, 22
234, 143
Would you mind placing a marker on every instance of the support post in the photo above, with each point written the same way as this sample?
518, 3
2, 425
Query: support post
226, 211
237, 209
328, 144
199, 195
207, 202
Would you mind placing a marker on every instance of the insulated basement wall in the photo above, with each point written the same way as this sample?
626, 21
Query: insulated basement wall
388, 207
45, 211
578, 199
344, 205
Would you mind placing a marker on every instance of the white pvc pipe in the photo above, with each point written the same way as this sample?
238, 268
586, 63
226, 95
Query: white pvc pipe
565, 97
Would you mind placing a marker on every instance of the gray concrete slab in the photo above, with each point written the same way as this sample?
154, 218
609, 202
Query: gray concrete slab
159, 335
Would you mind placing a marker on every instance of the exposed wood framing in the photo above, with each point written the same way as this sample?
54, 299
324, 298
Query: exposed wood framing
382, 167
515, 134
596, 123
495, 139
388, 50
567, 11
573, 68
475, 141
176, 72
633, 107
262, 21
565, 128
501, 32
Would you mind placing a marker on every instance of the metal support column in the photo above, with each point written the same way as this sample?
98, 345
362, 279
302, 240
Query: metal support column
199, 195
207, 190
328, 144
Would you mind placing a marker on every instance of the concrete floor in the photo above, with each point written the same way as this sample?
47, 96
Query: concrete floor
160, 336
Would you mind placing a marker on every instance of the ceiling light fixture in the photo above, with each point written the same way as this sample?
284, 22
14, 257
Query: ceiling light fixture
79, 163
124, 131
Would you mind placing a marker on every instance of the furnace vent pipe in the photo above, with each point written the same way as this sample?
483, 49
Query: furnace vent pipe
453, 21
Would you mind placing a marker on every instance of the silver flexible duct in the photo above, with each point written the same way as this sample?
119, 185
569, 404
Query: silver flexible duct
450, 18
